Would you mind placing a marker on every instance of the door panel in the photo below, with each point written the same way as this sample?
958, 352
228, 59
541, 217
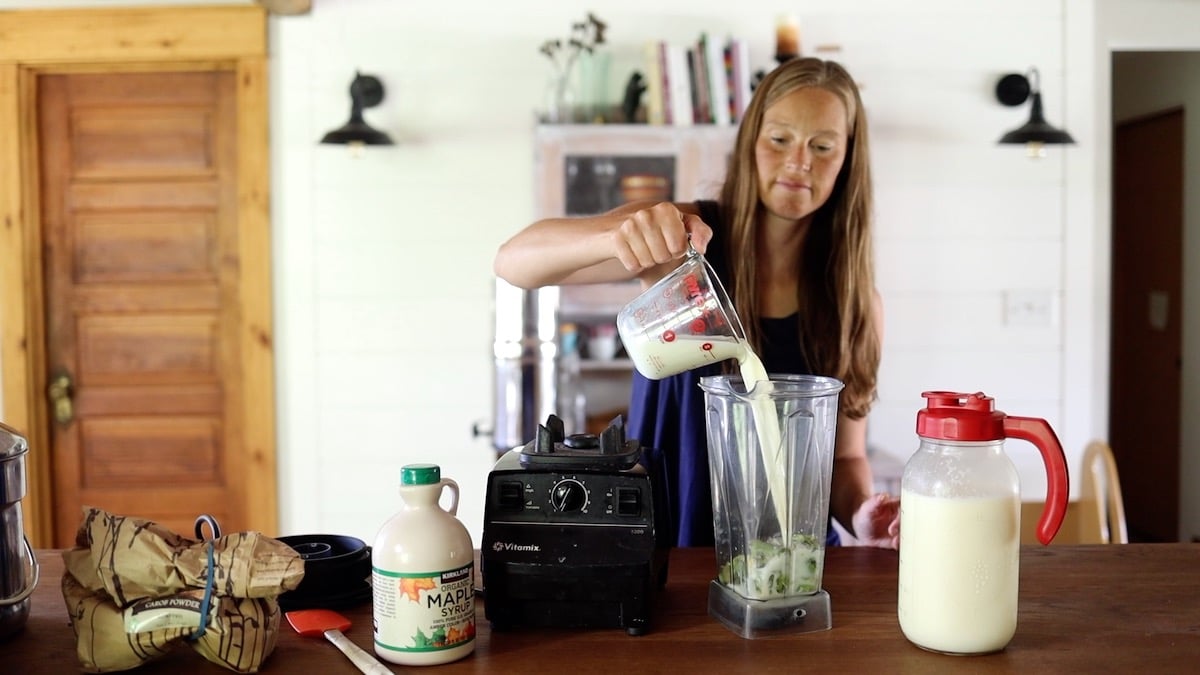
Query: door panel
139, 215
111, 142
166, 449
154, 245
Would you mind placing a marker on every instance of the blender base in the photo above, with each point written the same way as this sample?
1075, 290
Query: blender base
766, 618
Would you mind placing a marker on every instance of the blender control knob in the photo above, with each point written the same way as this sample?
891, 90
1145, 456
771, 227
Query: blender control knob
568, 495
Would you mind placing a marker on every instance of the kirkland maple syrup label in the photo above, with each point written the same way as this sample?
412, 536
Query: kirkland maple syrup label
424, 612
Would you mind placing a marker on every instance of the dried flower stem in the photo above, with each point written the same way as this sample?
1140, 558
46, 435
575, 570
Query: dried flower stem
584, 36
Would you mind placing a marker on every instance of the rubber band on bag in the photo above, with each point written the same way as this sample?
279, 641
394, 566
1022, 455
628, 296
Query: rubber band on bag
209, 572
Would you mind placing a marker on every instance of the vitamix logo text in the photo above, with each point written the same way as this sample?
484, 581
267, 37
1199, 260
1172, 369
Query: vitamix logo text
519, 548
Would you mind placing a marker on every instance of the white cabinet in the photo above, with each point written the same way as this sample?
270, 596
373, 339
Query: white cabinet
692, 158
585, 169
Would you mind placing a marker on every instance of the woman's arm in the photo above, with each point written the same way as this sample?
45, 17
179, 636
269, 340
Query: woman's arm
873, 519
636, 240
853, 482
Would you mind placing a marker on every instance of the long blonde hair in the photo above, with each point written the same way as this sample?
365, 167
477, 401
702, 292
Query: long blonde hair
837, 280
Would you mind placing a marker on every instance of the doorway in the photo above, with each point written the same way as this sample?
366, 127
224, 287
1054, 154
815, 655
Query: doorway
166, 386
1146, 350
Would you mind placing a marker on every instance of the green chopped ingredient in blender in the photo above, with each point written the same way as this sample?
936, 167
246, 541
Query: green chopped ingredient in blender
771, 570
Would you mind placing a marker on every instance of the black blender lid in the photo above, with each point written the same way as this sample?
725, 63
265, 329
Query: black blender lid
553, 449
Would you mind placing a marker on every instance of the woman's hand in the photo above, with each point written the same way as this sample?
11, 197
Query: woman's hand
658, 234
877, 522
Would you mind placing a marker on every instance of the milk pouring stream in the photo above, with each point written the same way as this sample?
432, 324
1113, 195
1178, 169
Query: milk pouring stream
423, 575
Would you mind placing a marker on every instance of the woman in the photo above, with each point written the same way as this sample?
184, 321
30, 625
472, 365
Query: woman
791, 239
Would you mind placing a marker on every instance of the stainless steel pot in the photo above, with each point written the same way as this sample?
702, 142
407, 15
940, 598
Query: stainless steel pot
18, 567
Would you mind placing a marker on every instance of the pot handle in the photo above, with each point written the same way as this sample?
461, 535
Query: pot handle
36, 575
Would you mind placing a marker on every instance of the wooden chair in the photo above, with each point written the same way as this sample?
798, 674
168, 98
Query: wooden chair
1101, 507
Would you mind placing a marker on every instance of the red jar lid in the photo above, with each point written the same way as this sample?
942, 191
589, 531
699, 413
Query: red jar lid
953, 416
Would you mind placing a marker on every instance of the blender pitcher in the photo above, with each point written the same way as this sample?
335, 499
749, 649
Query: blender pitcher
771, 463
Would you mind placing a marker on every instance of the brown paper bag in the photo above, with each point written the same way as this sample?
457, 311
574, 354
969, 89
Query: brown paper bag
127, 574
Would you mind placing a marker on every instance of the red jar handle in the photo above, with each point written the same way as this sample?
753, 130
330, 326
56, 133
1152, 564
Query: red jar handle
1038, 432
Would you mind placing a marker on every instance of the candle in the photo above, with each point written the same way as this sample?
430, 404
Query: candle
787, 37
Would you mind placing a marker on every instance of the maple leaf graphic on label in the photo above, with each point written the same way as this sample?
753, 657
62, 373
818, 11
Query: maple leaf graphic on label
412, 586
456, 635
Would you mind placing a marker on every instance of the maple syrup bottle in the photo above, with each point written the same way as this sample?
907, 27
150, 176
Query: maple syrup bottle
423, 575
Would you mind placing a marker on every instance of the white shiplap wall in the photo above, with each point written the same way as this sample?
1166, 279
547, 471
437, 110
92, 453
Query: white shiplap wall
384, 276
383, 262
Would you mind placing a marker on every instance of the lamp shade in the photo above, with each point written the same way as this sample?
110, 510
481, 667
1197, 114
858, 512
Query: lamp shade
1014, 89
1037, 129
365, 91
357, 131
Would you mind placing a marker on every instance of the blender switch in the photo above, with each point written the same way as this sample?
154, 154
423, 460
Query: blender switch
629, 501
511, 495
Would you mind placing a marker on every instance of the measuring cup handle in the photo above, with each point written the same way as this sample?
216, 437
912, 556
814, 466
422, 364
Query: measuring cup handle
1038, 432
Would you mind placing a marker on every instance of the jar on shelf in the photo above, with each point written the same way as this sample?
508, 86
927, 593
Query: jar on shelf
639, 186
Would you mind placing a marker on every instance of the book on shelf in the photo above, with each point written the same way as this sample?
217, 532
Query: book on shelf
698, 74
738, 60
717, 81
706, 82
654, 84
679, 87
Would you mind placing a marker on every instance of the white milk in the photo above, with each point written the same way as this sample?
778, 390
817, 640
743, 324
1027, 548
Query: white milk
770, 440
958, 572
657, 359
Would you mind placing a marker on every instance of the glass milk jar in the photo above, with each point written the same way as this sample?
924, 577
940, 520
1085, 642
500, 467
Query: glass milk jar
960, 510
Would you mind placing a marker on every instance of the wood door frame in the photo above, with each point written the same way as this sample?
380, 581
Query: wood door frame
115, 40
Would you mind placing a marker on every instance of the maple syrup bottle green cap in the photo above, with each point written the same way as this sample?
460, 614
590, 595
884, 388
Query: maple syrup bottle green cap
420, 474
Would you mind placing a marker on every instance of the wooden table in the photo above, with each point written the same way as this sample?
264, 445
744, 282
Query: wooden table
1083, 609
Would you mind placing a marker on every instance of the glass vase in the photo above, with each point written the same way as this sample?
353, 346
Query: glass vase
560, 99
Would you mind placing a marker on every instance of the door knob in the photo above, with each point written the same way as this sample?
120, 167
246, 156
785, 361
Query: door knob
59, 391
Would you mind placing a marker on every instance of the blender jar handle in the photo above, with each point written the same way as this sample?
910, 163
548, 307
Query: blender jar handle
1038, 432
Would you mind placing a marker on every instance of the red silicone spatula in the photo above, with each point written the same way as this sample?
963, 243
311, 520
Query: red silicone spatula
329, 624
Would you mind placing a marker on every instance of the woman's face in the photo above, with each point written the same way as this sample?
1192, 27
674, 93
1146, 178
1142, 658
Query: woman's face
799, 152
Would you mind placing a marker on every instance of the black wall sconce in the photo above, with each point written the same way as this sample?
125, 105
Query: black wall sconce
366, 91
1013, 90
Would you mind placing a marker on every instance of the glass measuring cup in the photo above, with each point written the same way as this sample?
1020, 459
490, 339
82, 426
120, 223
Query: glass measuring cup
684, 321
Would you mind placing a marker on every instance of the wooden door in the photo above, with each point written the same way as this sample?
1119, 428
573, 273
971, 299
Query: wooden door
139, 207
1147, 305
